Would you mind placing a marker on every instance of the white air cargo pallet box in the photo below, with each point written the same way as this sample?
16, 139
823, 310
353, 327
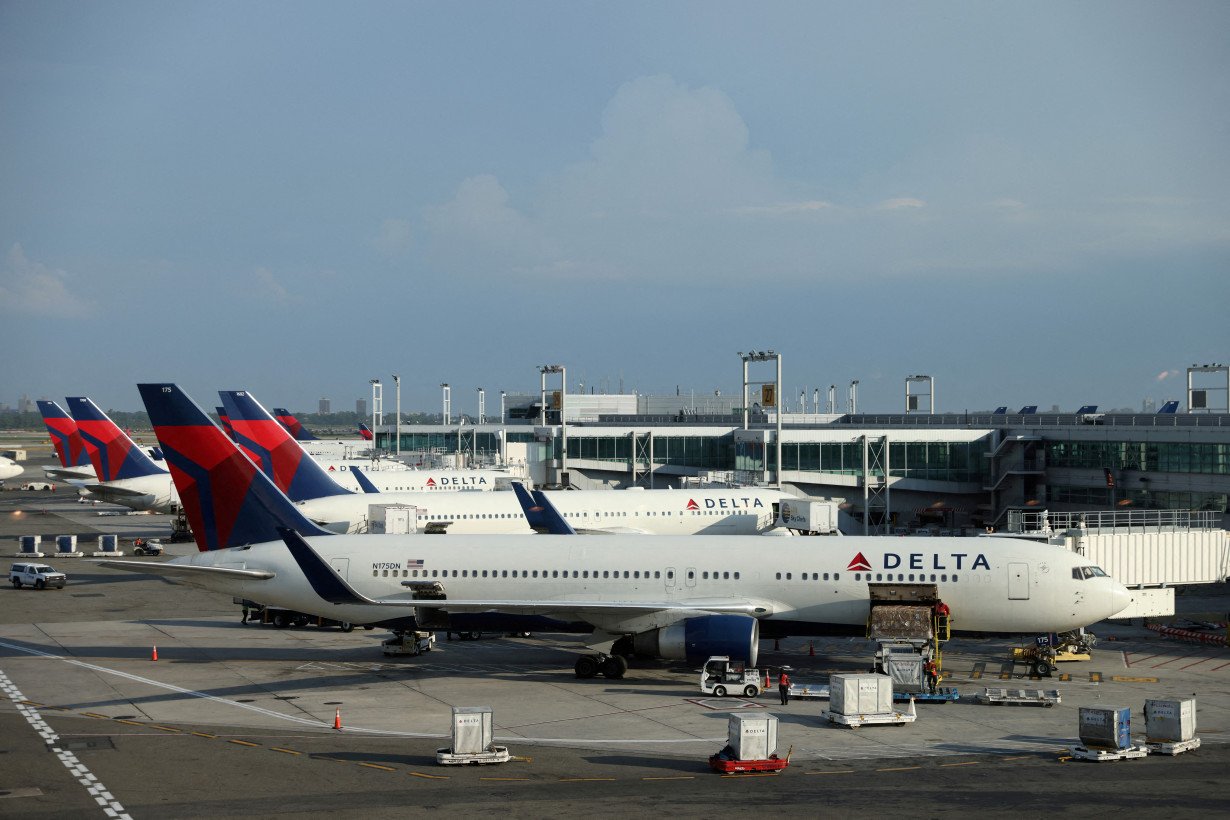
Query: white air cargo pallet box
809, 516
1170, 726
998, 696
472, 739
860, 700
752, 737
392, 519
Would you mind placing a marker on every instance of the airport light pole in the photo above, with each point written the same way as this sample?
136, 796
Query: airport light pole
563, 425
447, 398
766, 356
482, 406
502, 394
397, 387
911, 399
377, 398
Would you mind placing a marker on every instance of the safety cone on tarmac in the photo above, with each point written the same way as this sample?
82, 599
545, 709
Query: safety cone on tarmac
337, 719
766, 678
811, 648
154, 655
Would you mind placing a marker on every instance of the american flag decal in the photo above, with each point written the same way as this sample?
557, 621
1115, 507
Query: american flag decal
414, 563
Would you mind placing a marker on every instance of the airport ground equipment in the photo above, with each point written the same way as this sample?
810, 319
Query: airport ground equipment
721, 677
751, 745
408, 643
942, 694
39, 576
1106, 734
109, 547
863, 700
472, 739
809, 690
1170, 726
999, 696
147, 546
66, 547
908, 632
283, 618
28, 546
1048, 650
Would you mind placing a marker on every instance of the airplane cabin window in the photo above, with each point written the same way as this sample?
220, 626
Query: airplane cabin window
944, 578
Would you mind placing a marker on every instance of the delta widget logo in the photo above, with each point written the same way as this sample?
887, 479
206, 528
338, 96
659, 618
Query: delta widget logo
692, 505
858, 564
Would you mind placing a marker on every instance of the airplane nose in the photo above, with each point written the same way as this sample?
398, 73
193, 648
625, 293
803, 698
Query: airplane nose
1120, 598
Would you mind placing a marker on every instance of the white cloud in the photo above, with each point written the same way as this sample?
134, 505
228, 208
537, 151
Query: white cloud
271, 287
28, 287
1167, 374
394, 237
900, 203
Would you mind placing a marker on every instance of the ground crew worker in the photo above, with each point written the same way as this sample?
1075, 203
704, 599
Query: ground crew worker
933, 675
783, 686
941, 610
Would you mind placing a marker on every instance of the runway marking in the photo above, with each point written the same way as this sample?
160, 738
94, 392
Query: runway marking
1129, 679
243, 742
969, 763
377, 766
284, 751
673, 777
96, 715
506, 779
586, 779
129, 722
1095, 677
205, 735
166, 728
833, 771
1065, 677
106, 801
900, 769
429, 776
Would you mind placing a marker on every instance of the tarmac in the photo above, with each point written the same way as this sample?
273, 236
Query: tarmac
238, 719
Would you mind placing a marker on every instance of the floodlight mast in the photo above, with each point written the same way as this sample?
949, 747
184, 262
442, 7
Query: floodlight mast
765, 356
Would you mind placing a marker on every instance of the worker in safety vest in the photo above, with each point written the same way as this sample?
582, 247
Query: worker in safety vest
933, 675
783, 687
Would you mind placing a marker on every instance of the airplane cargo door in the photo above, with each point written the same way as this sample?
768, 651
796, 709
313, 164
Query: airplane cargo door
1018, 582
341, 566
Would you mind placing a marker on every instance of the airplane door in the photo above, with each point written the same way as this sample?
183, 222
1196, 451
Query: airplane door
1018, 582
341, 566
689, 577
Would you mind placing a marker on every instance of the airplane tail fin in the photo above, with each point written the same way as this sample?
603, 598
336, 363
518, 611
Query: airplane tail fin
365, 432
292, 424
270, 446
540, 513
228, 501
113, 453
65, 437
224, 421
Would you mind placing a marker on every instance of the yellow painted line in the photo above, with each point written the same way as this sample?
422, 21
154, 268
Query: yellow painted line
976, 674
285, 751
1095, 677
430, 776
166, 728
1021, 757
96, 715
205, 734
748, 774
31, 703
1065, 677
129, 722
1127, 679
1005, 675
517, 759
242, 743
833, 771
378, 766
586, 779
970, 763
334, 759
675, 777
900, 769
504, 778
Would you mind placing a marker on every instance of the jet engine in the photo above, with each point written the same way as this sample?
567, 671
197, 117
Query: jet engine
697, 639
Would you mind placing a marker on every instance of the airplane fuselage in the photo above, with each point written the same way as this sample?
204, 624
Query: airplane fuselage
798, 586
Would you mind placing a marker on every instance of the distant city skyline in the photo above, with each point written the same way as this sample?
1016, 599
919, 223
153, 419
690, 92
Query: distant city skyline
1026, 201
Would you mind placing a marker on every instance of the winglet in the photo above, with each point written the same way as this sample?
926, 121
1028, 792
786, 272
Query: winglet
228, 501
365, 483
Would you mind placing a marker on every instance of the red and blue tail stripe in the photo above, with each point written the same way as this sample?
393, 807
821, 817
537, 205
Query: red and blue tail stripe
112, 452
224, 420
365, 432
228, 501
292, 424
66, 439
270, 446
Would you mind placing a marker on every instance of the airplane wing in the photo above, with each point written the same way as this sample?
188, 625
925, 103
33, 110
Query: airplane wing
187, 570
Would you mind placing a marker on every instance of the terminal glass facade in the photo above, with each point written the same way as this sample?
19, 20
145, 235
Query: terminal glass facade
1163, 457
929, 460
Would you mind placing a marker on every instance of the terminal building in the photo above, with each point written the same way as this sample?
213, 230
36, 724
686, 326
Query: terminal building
915, 472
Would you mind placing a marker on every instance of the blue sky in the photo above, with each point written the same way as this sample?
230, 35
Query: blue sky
1027, 201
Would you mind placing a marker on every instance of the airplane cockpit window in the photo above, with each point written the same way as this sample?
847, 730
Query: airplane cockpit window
1081, 573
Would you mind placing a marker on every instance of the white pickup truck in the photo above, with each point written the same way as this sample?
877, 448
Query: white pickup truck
39, 576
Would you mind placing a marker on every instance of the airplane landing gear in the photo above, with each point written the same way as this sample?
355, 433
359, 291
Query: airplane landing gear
612, 667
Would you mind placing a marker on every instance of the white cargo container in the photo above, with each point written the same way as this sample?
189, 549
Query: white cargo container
752, 737
1106, 727
66, 545
29, 546
472, 739
860, 694
392, 519
1170, 721
809, 516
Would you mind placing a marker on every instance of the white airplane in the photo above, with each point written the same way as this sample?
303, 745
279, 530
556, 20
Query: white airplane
660, 596
665, 512
10, 468
126, 474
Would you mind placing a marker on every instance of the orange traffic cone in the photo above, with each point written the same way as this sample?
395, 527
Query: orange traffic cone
811, 648
337, 719
766, 679
154, 655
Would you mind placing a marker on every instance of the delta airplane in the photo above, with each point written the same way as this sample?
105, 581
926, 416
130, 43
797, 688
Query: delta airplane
126, 474
310, 486
75, 465
658, 596
10, 468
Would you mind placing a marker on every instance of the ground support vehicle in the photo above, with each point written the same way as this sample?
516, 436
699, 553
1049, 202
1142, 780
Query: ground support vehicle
408, 644
721, 677
726, 765
495, 754
809, 690
283, 618
998, 696
39, 576
150, 546
1048, 650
